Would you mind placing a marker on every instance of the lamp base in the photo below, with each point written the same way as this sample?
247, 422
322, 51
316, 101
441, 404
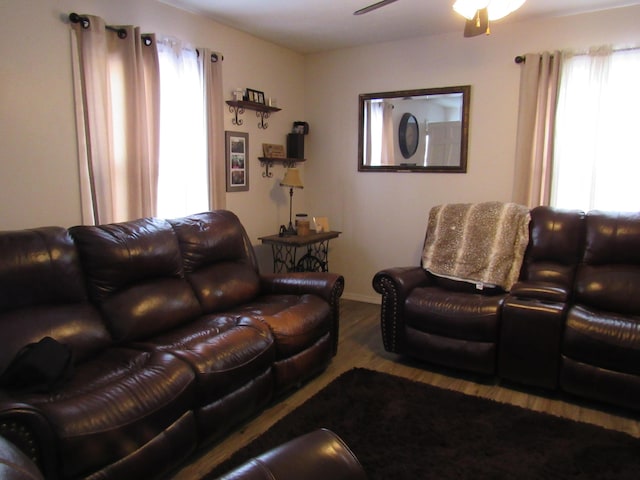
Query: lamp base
290, 231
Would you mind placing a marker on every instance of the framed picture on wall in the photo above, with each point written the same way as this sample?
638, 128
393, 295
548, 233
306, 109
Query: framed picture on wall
237, 161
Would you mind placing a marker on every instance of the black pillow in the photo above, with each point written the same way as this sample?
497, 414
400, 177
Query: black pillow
39, 367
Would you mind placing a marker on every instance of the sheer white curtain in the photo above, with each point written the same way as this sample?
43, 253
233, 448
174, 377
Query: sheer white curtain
539, 79
597, 161
183, 174
115, 76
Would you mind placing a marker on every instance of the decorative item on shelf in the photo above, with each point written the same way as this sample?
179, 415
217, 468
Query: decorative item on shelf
300, 128
271, 150
295, 140
292, 180
255, 96
238, 94
295, 145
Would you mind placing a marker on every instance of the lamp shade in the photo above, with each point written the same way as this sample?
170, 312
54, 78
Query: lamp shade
292, 179
496, 8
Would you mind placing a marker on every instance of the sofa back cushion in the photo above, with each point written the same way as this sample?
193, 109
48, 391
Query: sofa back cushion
219, 260
134, 271
556, 240
42, 293
609, 276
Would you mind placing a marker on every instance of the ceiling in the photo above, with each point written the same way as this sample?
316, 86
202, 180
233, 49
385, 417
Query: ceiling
309, 26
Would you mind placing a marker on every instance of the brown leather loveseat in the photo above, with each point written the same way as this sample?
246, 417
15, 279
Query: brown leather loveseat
176, 338
571, 323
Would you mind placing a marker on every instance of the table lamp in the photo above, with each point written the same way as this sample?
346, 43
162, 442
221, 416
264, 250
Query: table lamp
292, 180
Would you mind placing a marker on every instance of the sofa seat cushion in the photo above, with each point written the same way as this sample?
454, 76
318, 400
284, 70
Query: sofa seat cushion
225, 351
77, 325
114, 405
603, 339
296, 321
472, 317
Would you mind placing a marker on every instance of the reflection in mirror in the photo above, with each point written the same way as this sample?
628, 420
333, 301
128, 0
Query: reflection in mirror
414, 130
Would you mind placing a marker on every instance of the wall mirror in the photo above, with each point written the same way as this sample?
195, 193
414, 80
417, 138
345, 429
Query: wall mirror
422, 130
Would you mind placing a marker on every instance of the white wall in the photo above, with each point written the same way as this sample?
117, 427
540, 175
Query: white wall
383, 215
38, 155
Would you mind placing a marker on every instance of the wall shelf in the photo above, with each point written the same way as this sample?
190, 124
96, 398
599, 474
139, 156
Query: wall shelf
267, 163
237, 107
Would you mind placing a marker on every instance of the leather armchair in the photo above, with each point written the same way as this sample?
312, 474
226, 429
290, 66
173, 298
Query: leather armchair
438, 320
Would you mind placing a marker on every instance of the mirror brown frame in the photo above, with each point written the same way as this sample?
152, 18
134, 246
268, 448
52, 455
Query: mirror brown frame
398, 98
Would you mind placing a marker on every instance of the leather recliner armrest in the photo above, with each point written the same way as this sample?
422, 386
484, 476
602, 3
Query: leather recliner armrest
328, 286
541, 291
317, 455
27, 429
15, 465
395, 285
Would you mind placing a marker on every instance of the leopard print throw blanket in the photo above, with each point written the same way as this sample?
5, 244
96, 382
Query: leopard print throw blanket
482, 243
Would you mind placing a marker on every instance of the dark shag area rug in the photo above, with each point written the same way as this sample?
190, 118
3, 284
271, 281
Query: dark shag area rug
400, 429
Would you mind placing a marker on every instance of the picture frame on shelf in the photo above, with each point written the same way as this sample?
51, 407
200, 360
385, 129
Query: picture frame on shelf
237, 161
271, 150
321, 224
255, 96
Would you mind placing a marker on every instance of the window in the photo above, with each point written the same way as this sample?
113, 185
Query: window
149, 123
596, 157
182, 163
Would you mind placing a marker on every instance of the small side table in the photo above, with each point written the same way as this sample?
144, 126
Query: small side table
284, 249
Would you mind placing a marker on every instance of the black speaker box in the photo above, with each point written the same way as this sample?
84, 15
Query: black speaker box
295, 145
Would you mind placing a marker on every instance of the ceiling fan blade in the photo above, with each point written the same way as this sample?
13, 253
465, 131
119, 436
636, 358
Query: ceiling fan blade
373, 7
478, 25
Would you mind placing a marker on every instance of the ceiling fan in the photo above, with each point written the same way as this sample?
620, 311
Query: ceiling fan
373, 6
477, 12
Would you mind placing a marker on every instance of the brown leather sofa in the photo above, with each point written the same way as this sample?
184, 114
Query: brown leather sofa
320, 454
177, 338
571, 323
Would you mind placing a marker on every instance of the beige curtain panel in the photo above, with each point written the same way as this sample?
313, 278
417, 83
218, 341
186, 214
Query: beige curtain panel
539, 79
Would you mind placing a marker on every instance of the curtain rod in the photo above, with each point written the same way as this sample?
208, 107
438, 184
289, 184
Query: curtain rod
85, 22
122, 33
521, 58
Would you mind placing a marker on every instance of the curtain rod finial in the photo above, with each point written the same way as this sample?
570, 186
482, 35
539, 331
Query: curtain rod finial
519, 59
75, 18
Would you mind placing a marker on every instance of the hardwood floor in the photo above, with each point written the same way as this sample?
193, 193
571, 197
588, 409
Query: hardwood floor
361, 346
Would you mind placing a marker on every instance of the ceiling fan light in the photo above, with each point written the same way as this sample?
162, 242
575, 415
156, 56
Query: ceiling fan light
501, 8
496, 8
468, 8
